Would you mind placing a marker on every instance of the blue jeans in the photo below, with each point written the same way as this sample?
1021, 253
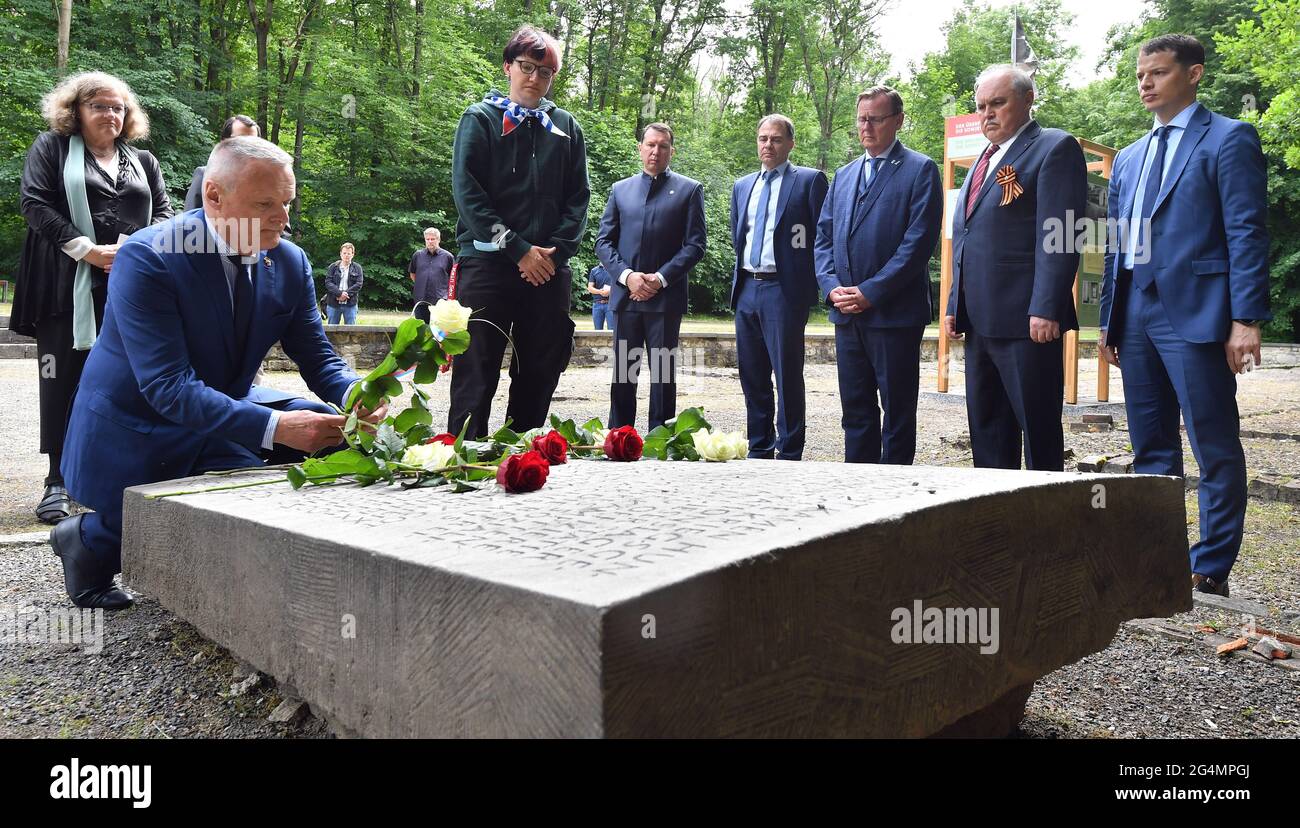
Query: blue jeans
348, 312
601, 316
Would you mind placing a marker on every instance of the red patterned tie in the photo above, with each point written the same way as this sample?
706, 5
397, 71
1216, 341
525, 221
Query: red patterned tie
977, 178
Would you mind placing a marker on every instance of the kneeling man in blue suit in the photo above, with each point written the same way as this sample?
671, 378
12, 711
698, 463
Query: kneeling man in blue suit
194, 304
1186, 289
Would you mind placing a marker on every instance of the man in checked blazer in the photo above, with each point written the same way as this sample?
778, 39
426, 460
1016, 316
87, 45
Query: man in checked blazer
878, 229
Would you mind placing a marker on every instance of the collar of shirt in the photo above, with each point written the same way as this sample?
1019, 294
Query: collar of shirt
1181, 120
867, 156
1002, 148
648, 177
224, 249
784, 167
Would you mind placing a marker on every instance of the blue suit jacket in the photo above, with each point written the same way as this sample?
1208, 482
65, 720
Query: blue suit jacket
653, 230
883, 245
1005, 258
1209, 237
166, 373
798, 205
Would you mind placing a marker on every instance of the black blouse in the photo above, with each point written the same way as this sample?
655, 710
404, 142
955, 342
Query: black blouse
118, 206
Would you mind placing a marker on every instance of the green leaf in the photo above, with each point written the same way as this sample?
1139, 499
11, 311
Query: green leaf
505, 435
567, 429
692, 419
297, 477
408, 333
466, 486
426, 482
348, 461
426, 372
411, 417
351, 424
456, 343
392, 442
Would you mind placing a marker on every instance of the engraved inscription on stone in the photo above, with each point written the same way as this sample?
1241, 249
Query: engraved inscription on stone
578, 523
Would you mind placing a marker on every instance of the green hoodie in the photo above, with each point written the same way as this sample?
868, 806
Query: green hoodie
523, 189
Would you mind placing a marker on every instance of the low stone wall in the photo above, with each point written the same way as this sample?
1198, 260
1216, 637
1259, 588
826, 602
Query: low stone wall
365, 346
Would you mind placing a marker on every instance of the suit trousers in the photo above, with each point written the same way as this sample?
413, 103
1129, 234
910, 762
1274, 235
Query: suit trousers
59, 367
1015, 387
1164, 374
101, 531
537, 319
641, 338
770, 339
884, 363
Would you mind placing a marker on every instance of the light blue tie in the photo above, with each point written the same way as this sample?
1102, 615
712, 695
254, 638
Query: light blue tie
865, 184
760, 220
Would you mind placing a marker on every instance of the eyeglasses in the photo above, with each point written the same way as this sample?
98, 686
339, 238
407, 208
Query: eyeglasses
528, 67
104, 109
877, 120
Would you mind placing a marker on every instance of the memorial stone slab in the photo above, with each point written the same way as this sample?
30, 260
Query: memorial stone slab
752, 598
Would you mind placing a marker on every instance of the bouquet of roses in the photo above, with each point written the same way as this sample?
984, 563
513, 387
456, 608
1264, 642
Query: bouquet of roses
404, 448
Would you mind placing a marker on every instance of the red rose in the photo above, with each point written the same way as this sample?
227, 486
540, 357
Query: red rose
553, 447
523, 472
444, 438
623, 443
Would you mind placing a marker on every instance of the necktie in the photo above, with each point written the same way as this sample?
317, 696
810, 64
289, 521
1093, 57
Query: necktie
977, 178
1144, 276
760, 220
243, 304
866, 184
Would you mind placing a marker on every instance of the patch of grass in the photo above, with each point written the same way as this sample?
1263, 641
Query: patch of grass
1270, 550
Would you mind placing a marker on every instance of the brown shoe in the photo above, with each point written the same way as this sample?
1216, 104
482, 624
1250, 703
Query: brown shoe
1200, 583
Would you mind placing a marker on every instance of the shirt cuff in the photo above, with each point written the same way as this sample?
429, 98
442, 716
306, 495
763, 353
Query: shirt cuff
622, 277
343, 403
79, 247
268, 436
662, 281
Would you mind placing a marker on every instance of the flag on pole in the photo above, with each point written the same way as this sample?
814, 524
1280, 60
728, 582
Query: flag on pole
1022, 54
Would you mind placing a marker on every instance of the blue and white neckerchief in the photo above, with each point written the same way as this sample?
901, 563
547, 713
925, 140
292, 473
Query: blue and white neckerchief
514, 115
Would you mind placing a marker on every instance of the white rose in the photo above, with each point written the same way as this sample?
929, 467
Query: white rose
450, 316
430, 456
720, 446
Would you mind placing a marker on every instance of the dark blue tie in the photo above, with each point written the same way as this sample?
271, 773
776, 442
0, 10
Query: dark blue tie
760, 220
1144, 275
243, 303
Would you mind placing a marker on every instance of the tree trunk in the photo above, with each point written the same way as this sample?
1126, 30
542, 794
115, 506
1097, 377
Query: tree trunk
65, 33
261, 32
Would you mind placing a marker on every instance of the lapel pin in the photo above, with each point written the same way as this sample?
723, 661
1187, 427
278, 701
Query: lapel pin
266, 260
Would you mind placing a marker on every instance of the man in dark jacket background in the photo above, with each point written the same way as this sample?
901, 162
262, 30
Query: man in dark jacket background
651, 236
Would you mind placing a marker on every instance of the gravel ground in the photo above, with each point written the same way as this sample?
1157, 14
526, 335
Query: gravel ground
165, 680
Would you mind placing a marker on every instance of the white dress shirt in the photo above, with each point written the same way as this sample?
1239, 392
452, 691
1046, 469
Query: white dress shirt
1179, 123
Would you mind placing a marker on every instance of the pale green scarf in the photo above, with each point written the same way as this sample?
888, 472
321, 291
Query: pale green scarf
74, 185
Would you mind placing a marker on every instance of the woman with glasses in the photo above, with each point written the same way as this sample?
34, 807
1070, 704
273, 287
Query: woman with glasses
83, 188
519, 178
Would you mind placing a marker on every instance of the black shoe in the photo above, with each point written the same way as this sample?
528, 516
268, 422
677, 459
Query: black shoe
88, 581
55, 505
1200, 583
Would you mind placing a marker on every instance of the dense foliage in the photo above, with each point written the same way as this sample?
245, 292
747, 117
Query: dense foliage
366, 95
